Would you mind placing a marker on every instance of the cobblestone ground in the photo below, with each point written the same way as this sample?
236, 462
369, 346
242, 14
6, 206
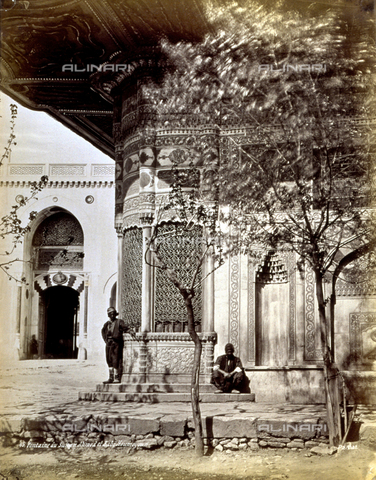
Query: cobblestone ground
34, 386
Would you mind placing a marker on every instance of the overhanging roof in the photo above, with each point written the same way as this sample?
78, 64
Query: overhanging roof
41, 36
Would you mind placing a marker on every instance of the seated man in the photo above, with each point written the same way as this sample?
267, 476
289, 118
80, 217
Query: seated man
228, 372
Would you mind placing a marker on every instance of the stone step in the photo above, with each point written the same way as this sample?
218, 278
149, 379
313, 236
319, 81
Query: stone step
164, 397
152, 388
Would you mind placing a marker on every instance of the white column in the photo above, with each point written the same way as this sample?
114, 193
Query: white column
146, 307
119, 285
208, 295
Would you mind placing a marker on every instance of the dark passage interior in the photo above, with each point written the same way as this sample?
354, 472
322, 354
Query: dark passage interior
61, 326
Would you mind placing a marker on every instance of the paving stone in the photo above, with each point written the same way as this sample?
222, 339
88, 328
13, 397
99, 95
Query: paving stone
281, 439
219, 448
147, 443
233, 427
31, 434
169, 444
143, 425
276, 444
33, 423
367, 434
225, 441
310, 444
173, 425
323, 450
295, 445
305, 429
10, 424
232, 446
123, 438
254, 446
159, 439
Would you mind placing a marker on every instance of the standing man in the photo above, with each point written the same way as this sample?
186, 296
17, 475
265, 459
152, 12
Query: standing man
228, 372
112, 333
33, 347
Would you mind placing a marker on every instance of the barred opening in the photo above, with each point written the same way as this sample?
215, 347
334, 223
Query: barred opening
177, 248
132, 277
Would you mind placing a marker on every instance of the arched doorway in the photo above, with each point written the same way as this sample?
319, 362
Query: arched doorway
58, 253
60, 309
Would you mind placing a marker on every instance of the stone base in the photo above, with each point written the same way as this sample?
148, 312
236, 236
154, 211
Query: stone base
166, 380
245, 429
293, 385
361, 386
152, 388
166, 357
164, 397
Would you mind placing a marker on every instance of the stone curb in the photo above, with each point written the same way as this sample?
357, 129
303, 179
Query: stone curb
234, 433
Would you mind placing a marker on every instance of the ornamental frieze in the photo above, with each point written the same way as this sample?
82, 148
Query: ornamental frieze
147, 200
128, 121
131, 204
132, 220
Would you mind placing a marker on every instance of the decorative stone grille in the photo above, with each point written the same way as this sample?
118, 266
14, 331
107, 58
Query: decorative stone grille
132, 277
103, 170
357, 279
170, 311
26, 169
67, 170
58, 258
271, 271
60, 229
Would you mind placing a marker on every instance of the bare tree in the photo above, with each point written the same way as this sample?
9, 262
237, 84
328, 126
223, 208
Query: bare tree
10, 224
192, 212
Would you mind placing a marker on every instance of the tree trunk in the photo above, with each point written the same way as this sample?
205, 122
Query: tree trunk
330, 370
195, 379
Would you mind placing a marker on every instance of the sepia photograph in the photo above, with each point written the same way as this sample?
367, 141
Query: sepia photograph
187, 239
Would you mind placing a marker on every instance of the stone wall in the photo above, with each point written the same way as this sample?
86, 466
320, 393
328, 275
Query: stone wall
169, 431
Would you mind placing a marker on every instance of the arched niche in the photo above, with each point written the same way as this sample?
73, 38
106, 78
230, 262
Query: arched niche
58, 242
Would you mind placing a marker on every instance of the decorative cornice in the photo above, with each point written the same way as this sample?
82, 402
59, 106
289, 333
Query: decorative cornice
60, 184
175, 337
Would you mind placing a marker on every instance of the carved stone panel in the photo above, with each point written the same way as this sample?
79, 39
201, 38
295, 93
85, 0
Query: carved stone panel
167, 354
278, 269
363, 337
312, 347
234, 304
